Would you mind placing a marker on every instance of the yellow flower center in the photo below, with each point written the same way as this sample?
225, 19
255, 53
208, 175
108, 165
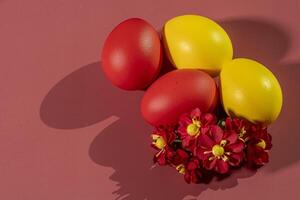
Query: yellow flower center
242, 132
262, 144
158, 141
193, 129
218, 150
181, 169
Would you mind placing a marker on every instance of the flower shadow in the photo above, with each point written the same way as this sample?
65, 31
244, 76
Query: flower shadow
125, 146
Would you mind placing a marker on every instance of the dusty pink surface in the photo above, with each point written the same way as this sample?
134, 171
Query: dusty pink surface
67, 133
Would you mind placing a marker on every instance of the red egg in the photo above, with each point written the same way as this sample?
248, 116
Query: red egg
132, 54
178, 92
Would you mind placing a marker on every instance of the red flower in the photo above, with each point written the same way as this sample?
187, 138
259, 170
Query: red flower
163, 156
162, 138
193, 125
179, 157
193, 173
240, 126
258, 147
218, 150
190, 170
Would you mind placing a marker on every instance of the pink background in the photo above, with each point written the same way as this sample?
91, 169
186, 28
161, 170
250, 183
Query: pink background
67, 133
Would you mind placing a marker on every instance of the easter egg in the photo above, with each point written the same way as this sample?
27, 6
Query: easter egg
249, 90
132, 54
178, 92
197, 42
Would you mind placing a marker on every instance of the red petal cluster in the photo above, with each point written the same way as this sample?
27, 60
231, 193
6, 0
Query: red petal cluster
219, 149
199, 144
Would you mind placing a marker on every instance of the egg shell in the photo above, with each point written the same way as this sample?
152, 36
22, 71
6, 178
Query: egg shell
197, 42
250, 90
132, 55
178, 92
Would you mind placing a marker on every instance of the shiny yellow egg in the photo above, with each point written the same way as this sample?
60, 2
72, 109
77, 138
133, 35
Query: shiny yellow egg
196, 42
251, 91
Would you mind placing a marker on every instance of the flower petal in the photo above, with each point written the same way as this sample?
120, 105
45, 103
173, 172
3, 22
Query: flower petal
202, 154
209, 164
182, 130
236, 158
206, 142
228, 123
192, 165
183, 154
189, 143
187, 177
184, 120
231, 136
196, 113
160, 158
257, 156
217, 133
208, 119
196, 175
235, 147
222, 167
264, 158
204, 130
268, 141
179, 157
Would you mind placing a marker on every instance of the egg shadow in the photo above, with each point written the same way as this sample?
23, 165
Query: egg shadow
83, 98
258, 39
86, 97
285, 130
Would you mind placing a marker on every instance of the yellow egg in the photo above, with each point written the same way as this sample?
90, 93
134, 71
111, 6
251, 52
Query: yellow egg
196, 42
249, 90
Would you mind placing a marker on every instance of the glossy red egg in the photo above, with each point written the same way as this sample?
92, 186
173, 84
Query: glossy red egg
178, 92
132, 54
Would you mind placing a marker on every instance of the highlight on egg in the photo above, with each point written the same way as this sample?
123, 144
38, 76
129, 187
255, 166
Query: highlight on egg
132, 55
